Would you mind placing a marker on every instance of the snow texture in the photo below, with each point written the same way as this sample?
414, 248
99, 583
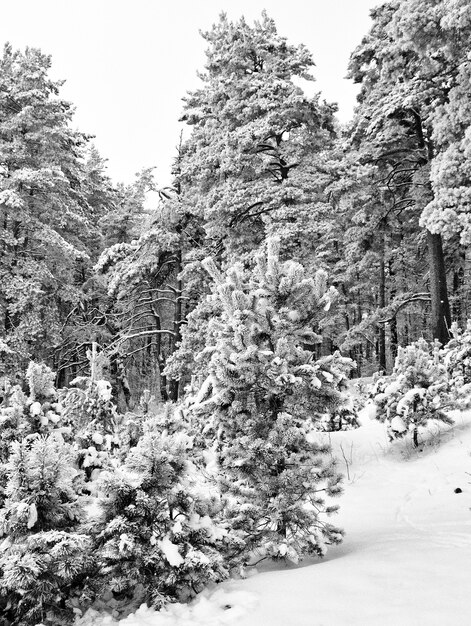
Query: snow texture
406, 556
170, 551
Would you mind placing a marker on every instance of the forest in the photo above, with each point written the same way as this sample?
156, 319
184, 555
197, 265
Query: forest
165, 366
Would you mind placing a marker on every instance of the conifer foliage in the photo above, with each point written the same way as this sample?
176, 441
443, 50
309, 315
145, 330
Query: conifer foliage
253, 128
157, 534
260, 405
24, 415
47, 224
42, 556
417, 393
457, 360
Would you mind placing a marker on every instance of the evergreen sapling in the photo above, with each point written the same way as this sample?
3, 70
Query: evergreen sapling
158, 538
417, 393
457, 360
43, 556
262, 400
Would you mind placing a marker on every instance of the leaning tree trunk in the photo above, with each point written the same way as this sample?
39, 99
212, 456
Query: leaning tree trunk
440, 307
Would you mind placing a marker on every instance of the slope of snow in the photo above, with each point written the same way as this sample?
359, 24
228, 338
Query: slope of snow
405, 561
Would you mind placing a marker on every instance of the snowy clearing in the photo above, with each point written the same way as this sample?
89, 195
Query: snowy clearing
406, 555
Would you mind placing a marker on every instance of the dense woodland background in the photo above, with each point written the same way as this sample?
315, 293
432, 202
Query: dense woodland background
383, 204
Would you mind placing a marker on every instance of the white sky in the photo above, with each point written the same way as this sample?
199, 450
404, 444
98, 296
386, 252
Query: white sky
129, 63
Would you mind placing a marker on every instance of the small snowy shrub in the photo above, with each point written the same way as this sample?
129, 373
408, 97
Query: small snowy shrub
379, 384
90, 408
165, 418
40, 379
41, 474
343, 414
457, 360
344, 417
157, 535
129, 431
15, 418
90, 401
416, 393
23, 415
42, 558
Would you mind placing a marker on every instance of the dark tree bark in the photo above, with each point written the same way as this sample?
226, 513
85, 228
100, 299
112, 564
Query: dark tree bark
382, 304
177, 322
440, 307
440, 317
466, 292
457, 306
393, 336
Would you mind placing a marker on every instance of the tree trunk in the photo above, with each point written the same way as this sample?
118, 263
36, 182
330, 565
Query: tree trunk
394, 341
393, 334
382, 304
440, 314
177, 322
466, 299
457, 304
440, 307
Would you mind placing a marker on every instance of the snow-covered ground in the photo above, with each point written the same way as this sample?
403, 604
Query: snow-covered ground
405, 561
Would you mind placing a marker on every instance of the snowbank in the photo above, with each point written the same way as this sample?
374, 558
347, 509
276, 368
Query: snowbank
406, 558
224, 605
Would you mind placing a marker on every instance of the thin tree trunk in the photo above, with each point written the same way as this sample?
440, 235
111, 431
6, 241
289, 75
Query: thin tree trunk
467, 284
393, 337
177, 322
457, 306
382, 304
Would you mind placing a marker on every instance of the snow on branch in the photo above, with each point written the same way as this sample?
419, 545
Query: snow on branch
416, 297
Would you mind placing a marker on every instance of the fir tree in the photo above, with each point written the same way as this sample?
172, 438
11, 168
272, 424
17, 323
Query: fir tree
47, 225
250, 165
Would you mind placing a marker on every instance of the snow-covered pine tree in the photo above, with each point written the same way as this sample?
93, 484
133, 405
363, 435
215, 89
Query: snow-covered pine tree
141, 270
252, 164
159, 539
42, 557
260, 404
440, 32
401, 90
255, 163
47, 224
37, 412
344, 418
417, 393
90, 408
457, 360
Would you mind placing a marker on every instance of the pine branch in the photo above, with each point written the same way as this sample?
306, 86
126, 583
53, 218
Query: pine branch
417, 297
